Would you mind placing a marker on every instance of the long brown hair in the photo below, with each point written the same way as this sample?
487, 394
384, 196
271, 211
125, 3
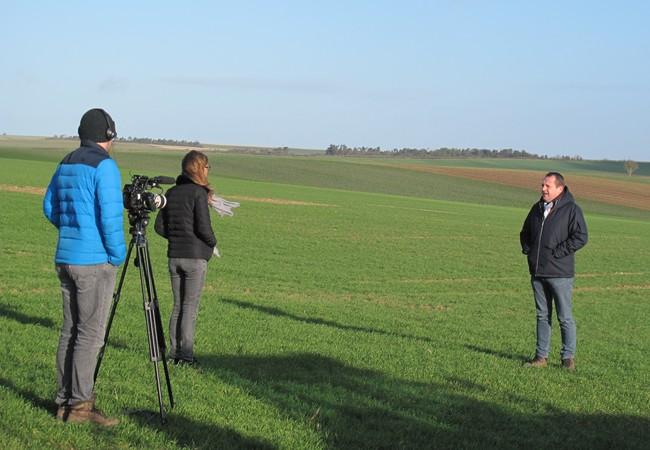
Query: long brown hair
193, 166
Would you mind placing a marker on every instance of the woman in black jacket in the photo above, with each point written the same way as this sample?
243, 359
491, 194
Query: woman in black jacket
185, 223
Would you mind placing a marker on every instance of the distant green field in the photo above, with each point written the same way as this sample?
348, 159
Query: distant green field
384, 308
352, 174
609, 168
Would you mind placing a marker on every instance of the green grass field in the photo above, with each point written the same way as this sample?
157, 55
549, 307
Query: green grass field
357, 305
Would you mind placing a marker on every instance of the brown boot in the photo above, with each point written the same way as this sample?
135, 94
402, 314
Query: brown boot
538, 362
86, 412
569, 364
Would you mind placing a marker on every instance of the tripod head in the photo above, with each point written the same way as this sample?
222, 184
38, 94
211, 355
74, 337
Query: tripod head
138, 223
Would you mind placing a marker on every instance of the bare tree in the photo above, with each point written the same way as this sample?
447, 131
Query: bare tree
630, 166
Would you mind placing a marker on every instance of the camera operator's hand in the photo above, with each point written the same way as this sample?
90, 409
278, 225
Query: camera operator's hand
216, 252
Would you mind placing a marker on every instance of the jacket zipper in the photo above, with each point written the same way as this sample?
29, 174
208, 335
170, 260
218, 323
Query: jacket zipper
541, 231
539, 244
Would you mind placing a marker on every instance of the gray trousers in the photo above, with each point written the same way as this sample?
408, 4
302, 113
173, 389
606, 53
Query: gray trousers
87, 293
558, 291
187, 277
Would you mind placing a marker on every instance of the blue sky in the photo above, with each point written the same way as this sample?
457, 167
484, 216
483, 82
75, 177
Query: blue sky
569, 78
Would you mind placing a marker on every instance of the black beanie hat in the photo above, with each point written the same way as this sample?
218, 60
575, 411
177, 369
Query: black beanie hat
97, 125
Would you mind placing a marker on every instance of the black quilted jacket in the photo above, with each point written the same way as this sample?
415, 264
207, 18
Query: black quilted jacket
185, 221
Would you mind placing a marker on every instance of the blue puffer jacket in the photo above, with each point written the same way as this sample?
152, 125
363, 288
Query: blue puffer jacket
84, 201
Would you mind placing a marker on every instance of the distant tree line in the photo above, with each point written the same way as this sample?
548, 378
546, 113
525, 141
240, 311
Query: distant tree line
444, 152
144, 140
259, 150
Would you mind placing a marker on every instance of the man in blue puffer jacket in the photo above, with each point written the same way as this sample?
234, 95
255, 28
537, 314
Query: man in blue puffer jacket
84, 202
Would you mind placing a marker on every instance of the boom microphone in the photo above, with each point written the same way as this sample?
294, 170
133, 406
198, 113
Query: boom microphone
162, 180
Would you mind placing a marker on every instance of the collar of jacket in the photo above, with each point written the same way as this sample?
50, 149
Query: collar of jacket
184, 179
564, 198
93, 144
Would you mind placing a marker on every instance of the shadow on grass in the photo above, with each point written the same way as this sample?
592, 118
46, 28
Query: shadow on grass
330, 323
191, 434
358, 408
185, 432
38, 402
11, 313
19, 317
504, 355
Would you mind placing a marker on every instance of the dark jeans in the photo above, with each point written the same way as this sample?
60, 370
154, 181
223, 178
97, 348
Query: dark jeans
87, 293
187, 277
558, 291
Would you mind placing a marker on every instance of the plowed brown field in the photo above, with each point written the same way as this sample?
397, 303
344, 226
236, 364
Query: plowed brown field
276, 201
22, 189
633, 195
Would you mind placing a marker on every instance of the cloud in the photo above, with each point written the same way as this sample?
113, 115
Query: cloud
594, 86
24, 78
114, 84
258, 84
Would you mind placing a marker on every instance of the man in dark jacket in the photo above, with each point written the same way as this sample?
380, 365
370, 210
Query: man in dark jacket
84, 202
553, 231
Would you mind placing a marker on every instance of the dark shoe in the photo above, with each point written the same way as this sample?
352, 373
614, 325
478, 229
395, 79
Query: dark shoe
538, 362
62, 413
86, 412
569, 364
187, 362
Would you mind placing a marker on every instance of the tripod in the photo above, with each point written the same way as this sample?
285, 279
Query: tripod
138, 221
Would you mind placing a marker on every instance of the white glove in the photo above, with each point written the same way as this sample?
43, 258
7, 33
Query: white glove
222, 206
216, 252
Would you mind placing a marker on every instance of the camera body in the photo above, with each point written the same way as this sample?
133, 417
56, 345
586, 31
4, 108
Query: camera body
138, 200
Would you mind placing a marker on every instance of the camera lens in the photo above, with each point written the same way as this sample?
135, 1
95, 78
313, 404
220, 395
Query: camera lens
160, 201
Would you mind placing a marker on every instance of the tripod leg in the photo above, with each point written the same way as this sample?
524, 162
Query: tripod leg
161, 335
154, 326
161, 338
169, 385
158, 325
155, 356
150, 304
116, 299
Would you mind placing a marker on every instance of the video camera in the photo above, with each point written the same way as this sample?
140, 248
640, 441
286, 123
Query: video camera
137, 198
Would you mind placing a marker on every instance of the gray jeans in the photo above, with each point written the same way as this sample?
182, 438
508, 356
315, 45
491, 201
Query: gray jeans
558, 291
87, 293
188, 277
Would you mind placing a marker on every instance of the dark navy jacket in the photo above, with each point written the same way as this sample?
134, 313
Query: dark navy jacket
185, 221
84, 201
551, 243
